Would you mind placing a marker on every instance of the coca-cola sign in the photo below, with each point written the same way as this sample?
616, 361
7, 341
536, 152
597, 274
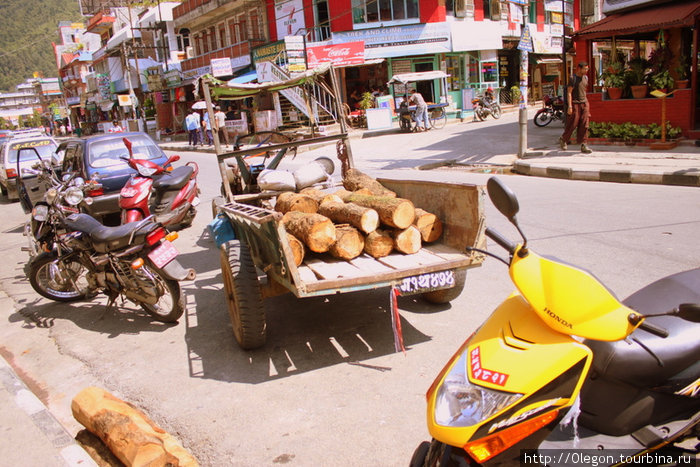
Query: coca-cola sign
350, 53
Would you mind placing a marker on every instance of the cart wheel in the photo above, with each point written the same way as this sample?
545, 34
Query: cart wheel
447, 295
438, 118
243, 295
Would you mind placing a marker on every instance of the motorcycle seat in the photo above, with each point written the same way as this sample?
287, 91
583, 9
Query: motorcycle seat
107, 238
630, 362
173, 180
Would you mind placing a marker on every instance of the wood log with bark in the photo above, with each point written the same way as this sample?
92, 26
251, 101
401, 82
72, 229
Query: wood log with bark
297, 248
290, 201
394, 212
365, 219
349, 242
355, 180
407, 241
379, 243
316, 231
345, 195
127, 431
430, 225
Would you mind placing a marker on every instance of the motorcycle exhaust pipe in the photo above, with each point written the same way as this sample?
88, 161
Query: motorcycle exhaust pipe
174, 270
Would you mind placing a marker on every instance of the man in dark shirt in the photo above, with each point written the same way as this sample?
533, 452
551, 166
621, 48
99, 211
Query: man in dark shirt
578, 111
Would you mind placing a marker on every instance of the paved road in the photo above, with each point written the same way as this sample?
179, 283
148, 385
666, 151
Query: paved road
328, 389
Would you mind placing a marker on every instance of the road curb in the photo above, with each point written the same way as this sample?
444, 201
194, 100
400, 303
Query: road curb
607, 175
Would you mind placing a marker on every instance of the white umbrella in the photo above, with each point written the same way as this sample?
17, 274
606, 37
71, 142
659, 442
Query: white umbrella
199, 105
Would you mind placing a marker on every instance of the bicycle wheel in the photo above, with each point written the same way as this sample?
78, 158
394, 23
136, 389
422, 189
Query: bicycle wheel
262, 139
438, 118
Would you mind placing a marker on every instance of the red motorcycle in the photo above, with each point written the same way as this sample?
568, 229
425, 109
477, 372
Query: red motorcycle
171, 195
552, 109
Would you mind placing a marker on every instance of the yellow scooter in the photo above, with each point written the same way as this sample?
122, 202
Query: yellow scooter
562, 373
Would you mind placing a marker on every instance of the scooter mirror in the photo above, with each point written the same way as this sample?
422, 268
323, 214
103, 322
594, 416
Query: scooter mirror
503, 198
689, 312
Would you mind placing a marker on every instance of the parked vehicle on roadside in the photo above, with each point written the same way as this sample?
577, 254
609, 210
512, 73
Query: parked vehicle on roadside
552, 109
102, 158
80, 257
562, 366
171, 195
483, 108
21, 153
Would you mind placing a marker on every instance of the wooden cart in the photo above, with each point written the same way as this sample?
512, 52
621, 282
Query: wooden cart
259, 262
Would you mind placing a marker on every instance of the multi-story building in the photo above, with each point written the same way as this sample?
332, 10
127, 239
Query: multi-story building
474, 41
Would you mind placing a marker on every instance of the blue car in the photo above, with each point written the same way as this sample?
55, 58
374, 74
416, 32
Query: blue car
99, 158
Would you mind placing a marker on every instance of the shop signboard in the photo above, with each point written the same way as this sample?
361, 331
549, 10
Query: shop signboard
289, 16
400, 41
348, 54
173, 78
296, 59
268, 53
124, 100
221, 67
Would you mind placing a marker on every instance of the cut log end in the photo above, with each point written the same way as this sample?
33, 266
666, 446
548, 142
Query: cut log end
349, 243
429, 225
378, 243
407, 241
316, 231
297, 249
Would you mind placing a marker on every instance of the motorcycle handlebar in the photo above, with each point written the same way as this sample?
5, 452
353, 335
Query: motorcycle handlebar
501, 240
634, 318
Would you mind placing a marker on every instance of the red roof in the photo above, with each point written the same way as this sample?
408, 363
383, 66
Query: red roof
669, 15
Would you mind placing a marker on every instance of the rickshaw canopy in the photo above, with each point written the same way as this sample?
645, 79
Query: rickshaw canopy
405, 78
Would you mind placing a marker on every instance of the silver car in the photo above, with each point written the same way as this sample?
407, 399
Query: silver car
28, 150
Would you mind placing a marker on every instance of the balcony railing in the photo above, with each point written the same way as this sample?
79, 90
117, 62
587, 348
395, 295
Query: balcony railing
238, 50
187, 6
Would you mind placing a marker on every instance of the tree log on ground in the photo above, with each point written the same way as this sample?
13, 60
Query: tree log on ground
394, 212
355, 180
290, 201
365, 219
407, 241
127, 431
297, 248
430, 225
345, 195
316, 231
378, 243
349, 242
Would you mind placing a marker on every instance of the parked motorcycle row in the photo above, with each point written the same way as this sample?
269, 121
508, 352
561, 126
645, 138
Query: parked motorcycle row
73, 256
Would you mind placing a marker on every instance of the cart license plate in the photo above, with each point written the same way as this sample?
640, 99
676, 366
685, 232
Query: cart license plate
427, 282
164, 254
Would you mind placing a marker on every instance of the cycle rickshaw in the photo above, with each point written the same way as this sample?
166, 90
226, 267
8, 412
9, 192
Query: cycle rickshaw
436, 111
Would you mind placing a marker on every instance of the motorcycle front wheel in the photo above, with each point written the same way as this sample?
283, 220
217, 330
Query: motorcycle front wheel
543, 117
61, 280
479, 112
170, 304
496, 111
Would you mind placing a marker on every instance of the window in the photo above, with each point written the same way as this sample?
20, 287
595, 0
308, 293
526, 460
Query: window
222, 35
232, 31
377, 11
242, 27
492, 10
255, 24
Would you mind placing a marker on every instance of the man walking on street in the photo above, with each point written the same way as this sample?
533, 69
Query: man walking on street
578, 110
192, 125
220, 121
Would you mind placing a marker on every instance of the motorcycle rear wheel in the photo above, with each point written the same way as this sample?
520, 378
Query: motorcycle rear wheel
61, 281
171, 300
543, 117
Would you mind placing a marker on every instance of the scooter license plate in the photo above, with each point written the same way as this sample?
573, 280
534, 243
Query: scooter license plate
164, 254
427, 282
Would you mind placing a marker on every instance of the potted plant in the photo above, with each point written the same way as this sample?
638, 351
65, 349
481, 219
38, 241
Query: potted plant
661, 80
636, 75
614, 79
682, 72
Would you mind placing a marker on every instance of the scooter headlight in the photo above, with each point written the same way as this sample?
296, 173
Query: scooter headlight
146, 171
461, 403
73, 196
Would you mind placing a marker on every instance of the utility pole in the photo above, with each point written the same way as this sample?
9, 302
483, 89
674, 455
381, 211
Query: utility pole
525, 47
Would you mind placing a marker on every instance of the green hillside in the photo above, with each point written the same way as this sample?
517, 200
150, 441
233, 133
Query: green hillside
27, 29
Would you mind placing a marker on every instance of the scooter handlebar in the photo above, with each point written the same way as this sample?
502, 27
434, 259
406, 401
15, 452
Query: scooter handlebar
501, 240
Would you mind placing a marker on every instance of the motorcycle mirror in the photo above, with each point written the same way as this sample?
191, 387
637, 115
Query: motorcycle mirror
503, 198
174, 158
127, 143
689, 312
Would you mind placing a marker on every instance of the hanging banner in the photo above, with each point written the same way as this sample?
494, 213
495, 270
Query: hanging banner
289, 16
525, 40
350, 53
221, 67
124, 100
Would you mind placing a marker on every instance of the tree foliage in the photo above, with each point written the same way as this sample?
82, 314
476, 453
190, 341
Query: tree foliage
27, 29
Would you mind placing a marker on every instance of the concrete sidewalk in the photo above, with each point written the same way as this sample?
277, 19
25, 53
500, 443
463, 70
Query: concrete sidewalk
611, 163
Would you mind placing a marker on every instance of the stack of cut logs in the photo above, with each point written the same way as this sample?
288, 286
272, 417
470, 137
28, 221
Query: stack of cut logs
364, 216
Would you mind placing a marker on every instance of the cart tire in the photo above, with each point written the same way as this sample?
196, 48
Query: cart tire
438, 118
243, 295
447, 295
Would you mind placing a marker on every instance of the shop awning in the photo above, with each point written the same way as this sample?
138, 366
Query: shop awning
668, 15
405, 78
245, 78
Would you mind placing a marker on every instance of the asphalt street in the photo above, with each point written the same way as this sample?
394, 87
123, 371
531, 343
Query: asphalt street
328, 388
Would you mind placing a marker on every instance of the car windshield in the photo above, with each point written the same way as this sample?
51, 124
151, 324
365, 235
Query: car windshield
27, 150
107, 153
